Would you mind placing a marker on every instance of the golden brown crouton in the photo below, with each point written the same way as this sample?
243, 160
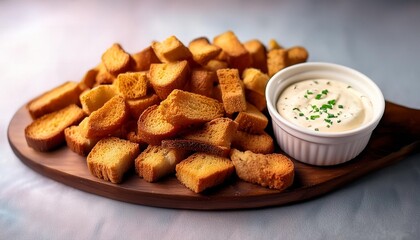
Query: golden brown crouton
116, 60
258, 54
171, 50
238, 56
233, 94
165, 77
202, 51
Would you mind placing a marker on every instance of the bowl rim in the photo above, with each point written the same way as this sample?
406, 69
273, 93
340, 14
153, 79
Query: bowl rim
365, 128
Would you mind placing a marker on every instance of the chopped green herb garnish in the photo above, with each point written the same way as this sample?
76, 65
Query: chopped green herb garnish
309, 92
331, 115
316, 129
349, 86
296, 109
318, 96
325, 91
340, 106
313, 117
306, 96
328, 121
339, 121
328, 126
301, 114
325, 106
332, 102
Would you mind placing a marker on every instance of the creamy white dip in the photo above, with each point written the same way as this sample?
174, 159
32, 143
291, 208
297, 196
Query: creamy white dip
324, 105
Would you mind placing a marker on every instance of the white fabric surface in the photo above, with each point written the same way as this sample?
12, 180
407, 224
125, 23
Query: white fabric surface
44, 43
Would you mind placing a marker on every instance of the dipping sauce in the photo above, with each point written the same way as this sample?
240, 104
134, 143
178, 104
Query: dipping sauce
324, 105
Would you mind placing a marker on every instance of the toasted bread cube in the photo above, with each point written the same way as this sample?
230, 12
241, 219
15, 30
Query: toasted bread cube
251, 120
255, 80
111, 158
171, 50
256, 99
144, 59
213, 138
258, 54
219, 131
89, 79
137, 106
202, 82
233, 94
54, 100
153, 127
96, 97
257, 143
165, 77
296, 55
156, 162
273, 44
276, 61
183, 108
107, 119
238, 56
47, 132
202, 51
76, 141
132, 85
214, 65
268, 170
116, 60
201, 171
103, 76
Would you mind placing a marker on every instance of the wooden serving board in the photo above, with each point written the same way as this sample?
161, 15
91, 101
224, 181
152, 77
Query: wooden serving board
397, 135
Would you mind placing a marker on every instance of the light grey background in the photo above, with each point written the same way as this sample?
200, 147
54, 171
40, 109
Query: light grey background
44, 43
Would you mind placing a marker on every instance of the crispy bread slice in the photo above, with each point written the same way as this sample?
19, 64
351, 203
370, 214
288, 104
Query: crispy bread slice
258, 54
251, 120
255, 80
202, 82
153, 127
297, 55
111, 158
165, 77
76, 141
55, 99
156, 162
237, 55
171, 50
137, 106
116, 60
256, 99
132, 85
107, 119
201, 171
144, 59
96, 97
183, 108
202, 51
268, 170
276, 60
257, 143
47, 132
233, 94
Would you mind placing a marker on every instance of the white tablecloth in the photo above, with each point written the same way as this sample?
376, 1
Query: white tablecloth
44, 43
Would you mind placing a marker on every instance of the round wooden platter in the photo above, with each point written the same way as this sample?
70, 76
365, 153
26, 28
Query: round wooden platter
397, 135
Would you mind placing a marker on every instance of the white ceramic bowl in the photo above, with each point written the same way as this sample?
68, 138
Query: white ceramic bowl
322, 148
